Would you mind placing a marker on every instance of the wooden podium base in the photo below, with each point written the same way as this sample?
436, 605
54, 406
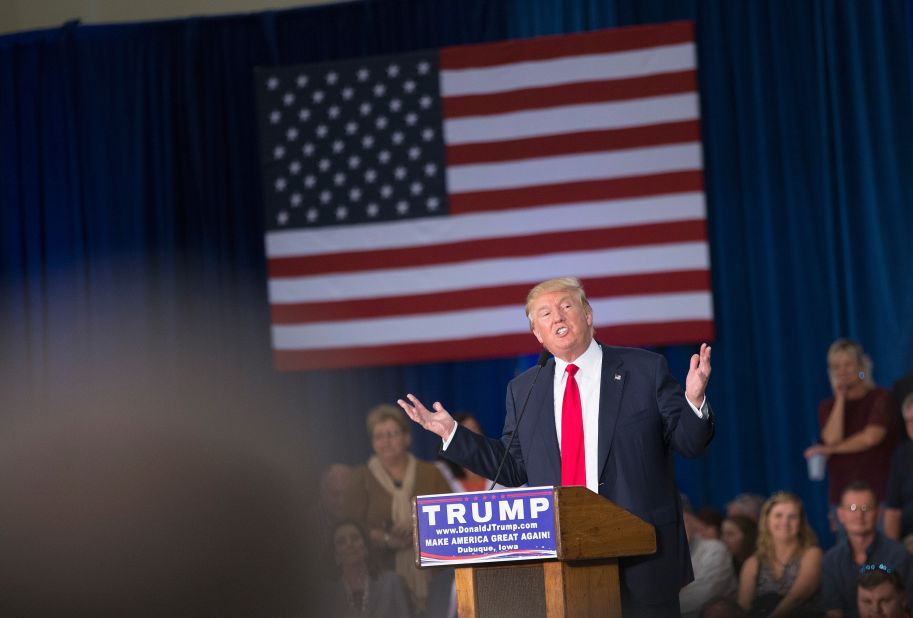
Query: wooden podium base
570, 589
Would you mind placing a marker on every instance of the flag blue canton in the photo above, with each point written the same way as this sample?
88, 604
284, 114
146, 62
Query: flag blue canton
352, 142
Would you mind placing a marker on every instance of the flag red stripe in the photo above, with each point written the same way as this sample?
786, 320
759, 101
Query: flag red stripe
602, 91
548, 47
603, 287
666, 333
569, 192
570, 143
489, 248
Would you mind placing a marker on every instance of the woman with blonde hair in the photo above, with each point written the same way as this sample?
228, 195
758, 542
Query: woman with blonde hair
379, 497
783, 576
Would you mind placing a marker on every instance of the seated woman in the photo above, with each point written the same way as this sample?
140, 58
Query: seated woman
783, 576
363, 589
379, 497
740, 533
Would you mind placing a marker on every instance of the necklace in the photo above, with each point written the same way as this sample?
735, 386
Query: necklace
362, 607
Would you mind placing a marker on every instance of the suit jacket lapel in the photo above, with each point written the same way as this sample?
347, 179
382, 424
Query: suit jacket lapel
611, 390
542, 400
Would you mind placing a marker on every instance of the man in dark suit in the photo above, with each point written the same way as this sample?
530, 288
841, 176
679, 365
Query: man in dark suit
601, 416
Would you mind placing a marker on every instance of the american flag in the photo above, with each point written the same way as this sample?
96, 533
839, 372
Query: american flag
413, 200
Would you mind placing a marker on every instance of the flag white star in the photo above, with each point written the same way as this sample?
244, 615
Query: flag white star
308, 149
354, 194
304, 114
395, 105
409, 85
432, 203
354, 161
411, 119
294, 167
333, 111
397, 137
351, 128
280, 184
416, 188
292, 134
400, 172
423, 67
383, 156
295, 200
325, 196
430, 169
278, 152
379, 90
415, 152
339, 179
425, 102
392, 70
372, 209
342, 212
309, 181
364, 109
338, 146
347, 93
386, 191
367, 141
317, 96
311, 215
402, 207
332, 77
427, 134
321, 130
272, 82
363, 74
370, 175
301, 80
275, 116
282, 217
288, 98
324, 165
381, 122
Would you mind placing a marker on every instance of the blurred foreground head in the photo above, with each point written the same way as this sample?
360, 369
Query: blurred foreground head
133, 504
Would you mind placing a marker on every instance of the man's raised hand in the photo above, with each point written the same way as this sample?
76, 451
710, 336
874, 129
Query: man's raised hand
698, 376
439, 422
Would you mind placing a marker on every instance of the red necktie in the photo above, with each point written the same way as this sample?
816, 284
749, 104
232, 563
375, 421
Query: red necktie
573, 462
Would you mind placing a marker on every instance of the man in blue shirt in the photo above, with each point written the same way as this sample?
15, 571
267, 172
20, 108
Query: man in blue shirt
858, 513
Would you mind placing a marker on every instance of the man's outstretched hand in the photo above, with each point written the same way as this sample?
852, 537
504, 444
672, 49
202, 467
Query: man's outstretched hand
698, 376
439, 422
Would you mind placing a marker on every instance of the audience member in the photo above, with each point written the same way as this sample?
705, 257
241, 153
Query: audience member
712, 564
334, 483
362, 588
864, 544
908, 543
380, 497
459, 478
722, 607
858, 423
898, 513
746, 504
711, 522
880, 593
783, 576
740, 533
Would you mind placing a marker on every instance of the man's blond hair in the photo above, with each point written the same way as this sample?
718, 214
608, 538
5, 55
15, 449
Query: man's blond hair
561, 284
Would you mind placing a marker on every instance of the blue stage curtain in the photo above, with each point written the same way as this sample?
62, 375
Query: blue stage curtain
130, 215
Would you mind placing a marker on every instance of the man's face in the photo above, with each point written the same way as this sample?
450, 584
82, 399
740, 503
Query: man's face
858, 512
562, 324
882, 601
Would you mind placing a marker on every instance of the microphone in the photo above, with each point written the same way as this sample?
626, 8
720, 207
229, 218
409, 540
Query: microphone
543, 358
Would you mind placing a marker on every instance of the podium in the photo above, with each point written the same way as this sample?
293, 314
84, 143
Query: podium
590, 535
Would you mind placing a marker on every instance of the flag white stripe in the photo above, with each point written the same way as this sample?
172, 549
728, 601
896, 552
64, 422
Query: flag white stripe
486, 225
571, 119
484, 322
451, 277
574, 168
567, 70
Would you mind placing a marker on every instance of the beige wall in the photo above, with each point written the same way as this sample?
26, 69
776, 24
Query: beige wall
18, 15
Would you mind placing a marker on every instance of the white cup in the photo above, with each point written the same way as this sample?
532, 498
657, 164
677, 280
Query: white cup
816, 465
